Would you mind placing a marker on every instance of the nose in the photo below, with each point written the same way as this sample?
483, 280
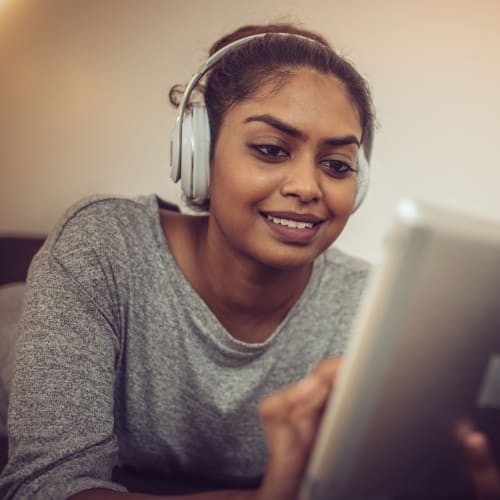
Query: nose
302, 180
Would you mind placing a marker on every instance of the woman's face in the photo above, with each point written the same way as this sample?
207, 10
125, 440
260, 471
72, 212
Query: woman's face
283, 180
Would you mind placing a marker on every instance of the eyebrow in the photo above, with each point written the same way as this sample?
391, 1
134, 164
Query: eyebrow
296, 133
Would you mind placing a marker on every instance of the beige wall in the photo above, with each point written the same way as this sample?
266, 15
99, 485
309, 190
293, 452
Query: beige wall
83, 98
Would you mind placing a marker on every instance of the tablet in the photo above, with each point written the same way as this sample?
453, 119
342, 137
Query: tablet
424, 356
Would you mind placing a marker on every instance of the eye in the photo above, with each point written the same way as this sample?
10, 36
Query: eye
337, 168
270, 151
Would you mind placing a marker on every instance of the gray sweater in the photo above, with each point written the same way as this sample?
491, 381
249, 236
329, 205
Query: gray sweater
120, 362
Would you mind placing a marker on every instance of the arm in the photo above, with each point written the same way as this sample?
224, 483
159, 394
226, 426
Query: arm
99, 494
290, 419
61, 407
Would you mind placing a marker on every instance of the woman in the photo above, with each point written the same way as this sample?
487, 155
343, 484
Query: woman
158, 341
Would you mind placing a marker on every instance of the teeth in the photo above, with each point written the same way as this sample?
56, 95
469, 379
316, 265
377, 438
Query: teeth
291, 223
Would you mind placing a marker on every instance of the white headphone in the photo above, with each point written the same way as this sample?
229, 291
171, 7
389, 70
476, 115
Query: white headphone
190, 144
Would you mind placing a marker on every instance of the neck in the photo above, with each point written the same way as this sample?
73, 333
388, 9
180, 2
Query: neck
242, 291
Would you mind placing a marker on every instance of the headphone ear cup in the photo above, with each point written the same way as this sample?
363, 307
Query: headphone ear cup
186, 157
201, 153
363, 178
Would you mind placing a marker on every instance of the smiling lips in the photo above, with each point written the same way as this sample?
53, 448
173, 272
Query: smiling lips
309, 219
293, 227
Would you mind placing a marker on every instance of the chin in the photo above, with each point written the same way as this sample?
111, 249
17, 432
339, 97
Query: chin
288, 258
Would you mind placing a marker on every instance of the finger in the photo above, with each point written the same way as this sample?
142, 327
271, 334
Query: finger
484, 473
291, 417
299, 398
328, 369
480, 461
305, 422
277, 407
313, 402
306, 393
324, 375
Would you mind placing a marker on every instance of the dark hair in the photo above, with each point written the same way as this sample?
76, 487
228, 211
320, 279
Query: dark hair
272, 59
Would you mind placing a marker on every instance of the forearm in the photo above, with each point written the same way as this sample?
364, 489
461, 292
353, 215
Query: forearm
102, 494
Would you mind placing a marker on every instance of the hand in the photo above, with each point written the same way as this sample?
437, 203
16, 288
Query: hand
479, 459
290, 419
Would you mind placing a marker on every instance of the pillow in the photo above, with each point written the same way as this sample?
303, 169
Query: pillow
11, 299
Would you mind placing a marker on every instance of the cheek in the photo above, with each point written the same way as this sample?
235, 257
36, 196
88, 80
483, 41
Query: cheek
340, 196
240, 181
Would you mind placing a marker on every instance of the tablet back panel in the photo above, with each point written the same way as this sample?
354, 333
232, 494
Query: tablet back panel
425, 355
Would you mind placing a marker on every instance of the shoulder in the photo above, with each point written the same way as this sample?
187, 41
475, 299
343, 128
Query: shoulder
105, 221
101, 238
99, 248
106, 211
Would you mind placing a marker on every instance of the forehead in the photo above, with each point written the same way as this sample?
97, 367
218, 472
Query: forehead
307, 99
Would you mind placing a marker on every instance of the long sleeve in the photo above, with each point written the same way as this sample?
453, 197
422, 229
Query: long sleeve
61, 423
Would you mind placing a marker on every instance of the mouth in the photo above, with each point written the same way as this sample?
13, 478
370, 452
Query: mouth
292, 227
